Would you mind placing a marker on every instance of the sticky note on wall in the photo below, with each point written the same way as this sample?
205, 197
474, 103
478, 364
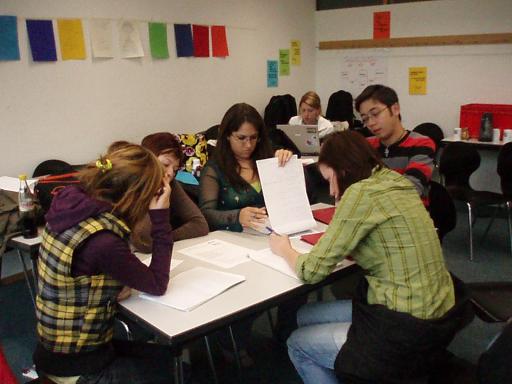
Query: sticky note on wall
381, 25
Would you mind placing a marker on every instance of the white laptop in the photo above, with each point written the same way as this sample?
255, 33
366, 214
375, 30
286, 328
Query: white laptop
305, 137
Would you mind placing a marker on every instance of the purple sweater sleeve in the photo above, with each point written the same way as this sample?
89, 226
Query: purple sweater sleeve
105, 252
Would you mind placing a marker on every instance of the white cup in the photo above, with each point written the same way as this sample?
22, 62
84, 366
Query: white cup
507, 136
456, 133
496, 135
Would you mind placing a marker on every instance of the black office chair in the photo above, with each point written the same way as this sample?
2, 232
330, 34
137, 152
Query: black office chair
458, 161
442, 209
504, 169
340, 107
431, 130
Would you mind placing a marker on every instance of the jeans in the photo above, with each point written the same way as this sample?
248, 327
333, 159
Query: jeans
313, 347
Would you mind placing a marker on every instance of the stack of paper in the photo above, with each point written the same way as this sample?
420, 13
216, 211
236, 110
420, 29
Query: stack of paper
190, 289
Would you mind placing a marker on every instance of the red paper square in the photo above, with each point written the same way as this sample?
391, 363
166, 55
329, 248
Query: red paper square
219, 41
200, 35
381, 25
324, 215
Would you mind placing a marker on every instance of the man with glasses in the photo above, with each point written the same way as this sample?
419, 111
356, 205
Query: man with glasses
408, 153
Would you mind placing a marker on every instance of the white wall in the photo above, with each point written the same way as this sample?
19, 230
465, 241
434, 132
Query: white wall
71, 110
456, 74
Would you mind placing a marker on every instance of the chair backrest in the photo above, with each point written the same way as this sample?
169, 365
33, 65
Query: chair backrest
340, 107
458, 161
52, 167
504, 169
279, 110
442, 209
431, 130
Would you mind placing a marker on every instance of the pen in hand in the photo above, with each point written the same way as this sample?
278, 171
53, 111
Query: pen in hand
272, 231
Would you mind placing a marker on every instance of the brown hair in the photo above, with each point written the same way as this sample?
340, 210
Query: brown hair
312, 99
162, 143
231, 122
350, 156
129, 184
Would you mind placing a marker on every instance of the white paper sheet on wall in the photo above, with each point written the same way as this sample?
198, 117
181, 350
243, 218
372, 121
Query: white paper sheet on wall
357, 72
101, 38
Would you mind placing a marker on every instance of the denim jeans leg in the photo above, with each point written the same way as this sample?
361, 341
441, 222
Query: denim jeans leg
338, 311
313, 350
323, 328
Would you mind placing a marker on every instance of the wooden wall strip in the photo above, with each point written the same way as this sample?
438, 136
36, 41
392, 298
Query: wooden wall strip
489, 38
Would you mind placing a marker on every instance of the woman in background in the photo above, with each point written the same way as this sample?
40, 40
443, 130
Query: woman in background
85, 267
310, 113
187, 220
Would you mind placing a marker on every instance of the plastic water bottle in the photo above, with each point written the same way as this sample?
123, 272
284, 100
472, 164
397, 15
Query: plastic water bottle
486, 127
196, 168
27, 209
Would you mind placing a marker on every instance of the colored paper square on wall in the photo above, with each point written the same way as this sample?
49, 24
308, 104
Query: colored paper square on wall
71, 37
418, 81
158, 40
201, 37
284, 62
130, 44
381, 25
183, 37
9, 48
219, 41
295, 52
42, 40
272, 77
100, 31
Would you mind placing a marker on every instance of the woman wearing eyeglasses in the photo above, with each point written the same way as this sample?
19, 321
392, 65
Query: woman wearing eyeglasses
230, 195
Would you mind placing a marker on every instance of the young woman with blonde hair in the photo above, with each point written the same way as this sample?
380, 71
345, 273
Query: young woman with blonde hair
85, 267
310, 113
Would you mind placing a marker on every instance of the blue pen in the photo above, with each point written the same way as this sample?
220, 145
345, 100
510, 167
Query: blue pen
272, 231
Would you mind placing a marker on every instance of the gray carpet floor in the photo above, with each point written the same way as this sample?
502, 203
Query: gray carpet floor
493, 262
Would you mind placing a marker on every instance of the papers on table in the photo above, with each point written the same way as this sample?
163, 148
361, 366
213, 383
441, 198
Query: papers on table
284, 190
146, 259
12, 184
219, 253
194, 287
270, 259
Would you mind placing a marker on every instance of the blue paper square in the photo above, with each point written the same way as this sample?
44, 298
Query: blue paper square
42, 40
184, 42
9, 48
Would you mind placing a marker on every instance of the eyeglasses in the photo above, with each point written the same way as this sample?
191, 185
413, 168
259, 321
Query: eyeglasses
372, 115
246, 139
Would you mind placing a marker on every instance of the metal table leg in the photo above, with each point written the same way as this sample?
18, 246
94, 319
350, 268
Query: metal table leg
27, 278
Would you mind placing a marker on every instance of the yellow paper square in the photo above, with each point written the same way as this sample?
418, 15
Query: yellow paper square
71, 36
417, 80
295, 51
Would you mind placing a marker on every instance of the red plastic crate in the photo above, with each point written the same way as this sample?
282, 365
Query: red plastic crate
471, 114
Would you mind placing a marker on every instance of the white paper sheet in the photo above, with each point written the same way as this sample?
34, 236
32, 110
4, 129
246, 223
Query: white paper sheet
270, 259
190, 289
146, 259
130, 44
284, 189
218, 252
101, 38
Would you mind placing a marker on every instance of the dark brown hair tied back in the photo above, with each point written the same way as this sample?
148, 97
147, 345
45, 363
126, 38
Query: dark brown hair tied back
350, 156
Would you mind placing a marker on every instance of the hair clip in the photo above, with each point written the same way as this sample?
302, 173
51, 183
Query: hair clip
104, 166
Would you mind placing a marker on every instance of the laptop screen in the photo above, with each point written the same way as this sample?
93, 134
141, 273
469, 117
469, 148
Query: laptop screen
305, 137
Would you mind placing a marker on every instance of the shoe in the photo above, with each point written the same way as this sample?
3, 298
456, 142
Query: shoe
246, 360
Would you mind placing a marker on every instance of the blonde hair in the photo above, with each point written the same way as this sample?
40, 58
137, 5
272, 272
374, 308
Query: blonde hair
129, 184
312, 99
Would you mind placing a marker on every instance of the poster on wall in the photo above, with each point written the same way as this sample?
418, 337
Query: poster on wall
357, 72
417, 80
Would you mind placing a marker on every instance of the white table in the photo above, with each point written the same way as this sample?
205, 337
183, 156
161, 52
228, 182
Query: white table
263, 288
